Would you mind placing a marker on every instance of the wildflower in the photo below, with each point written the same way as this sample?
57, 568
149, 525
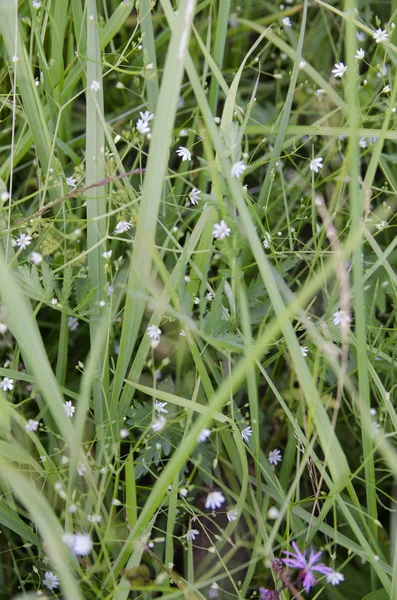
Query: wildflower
335, 578
110, 290
36, 258
341, 318
24, 240
3, 328
107, 254
71, 182
159, 424
362, 143
266, 240
184, 153
123, 433
380, 35
69, 408
275, 456
36, 4
153, 332
214, 590
73, 323
360, 36
246, 434
287, 22
50, 580
268, 594
302, 64
214, 500
122, 226
182, 333
203, 435
191, 535
160, 406
221, 230
95, 86
238, 169
94, 518
303, 350
7, 384
360, 54
194, 196
184, 492
142, 126
386, 89
273, 513
232, 515
81, 468
316, 164
31, 425
15, 58
306, 566
116, 502
340, 70
81, 544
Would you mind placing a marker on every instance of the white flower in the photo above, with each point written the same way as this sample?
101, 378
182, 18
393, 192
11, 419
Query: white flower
380, 35
214, 500
191, 534
232, 515
273, 513
360, 36
122, 226
153, 332
360, 54
69, 408
123, 433
116, 502
95, 86
246, 433
266, 240
3, 328
362, 143
302, 64
146, 116
107, 254
316, 164
341, 318
238, 169
81, 468
36, 258
184, 153
194, 196
14, 58
159, 424
24, 240
340, 70
213, 591
36, 4
335, 578
274, 457
142, 126
203, 435
386, 89
81, 544
303, 350
159, 406
50, 580
94, 518
73, 323
71, 181
196, 300
182, 333
287, 22
31, 425
184, 492
7, 384
221, 230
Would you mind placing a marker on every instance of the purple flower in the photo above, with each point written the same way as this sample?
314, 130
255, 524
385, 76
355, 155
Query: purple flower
298, 560
268, 594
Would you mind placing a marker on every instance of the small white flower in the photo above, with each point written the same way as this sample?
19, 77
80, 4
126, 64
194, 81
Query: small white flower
340, 70
36, 258
110, 290
69, 408
380, 35
159, 424
184, 492
287, 22
116, 502
81, 468
123, 433
182, 333
7, 384
214, 500
221, 230
107, 254
372, 411
36, 4
24, 240
213, 592
3, 328
303, 350
81, 544
191, 535
386, 89
71, 181
232, 515
31, 425
50, 580
302, 64
360, 36
95, 86
14, 58
160, 406
335, 578
184, 153
153, 332
246, 433
360, 54
266, 240
341, 318
238, 169
122, 226
203, 435
316, 164
373, 139
94, 518
196, 300
142, 126
362, 143
274, 457
194, 196
73, 323
273, 513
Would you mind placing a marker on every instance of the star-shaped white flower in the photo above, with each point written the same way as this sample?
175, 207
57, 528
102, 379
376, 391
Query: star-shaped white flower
221, 230
362, 143
380, 35
316, 164
107, 254
360, 54
340, 69
122, 226
31, 425
69, 408
274, 456
192, 534
303, 350
7, 384
71, 181
246, 433
194, 196
335, 578
50, 580
214, 500
95, 86
24, 240
232, 515
341, 318
153, 332
287, 22
238, 169
184, 153
160, 406
203, 435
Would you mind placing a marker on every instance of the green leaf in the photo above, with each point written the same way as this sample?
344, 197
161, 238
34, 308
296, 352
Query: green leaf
377, 595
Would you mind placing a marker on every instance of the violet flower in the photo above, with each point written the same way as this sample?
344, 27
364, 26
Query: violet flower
268, 594
298, 560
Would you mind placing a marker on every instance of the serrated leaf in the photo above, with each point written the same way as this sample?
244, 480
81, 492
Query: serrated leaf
48, 281
67, 286
30, 282
84, 301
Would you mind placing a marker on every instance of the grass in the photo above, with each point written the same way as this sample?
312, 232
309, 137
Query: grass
170, 326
